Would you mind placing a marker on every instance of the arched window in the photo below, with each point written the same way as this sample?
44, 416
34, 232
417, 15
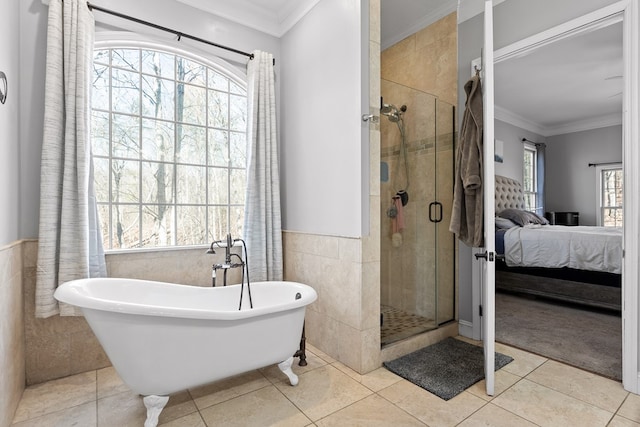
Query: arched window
169, 148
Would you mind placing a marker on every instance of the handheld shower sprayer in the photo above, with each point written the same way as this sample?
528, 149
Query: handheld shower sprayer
392, 112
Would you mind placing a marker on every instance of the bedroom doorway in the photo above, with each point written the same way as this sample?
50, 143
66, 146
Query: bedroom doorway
625, 15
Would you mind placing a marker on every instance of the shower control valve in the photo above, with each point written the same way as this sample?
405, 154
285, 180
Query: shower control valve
370, 117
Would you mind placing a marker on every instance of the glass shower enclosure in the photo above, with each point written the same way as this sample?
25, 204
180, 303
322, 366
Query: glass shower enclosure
417, 175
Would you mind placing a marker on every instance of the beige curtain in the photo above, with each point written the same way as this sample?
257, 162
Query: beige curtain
69, 244
262, 223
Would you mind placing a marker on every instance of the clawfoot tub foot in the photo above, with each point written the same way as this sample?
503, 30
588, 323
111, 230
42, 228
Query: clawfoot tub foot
285, 367
154, 405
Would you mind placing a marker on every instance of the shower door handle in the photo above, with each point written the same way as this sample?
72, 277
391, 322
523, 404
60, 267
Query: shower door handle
435, 215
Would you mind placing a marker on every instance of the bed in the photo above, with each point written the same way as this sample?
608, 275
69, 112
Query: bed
580, 265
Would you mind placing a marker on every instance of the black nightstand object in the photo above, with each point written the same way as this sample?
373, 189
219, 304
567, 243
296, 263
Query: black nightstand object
563, 218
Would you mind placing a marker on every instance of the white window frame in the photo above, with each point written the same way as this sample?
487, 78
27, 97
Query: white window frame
600, 169
531, 147
125, 40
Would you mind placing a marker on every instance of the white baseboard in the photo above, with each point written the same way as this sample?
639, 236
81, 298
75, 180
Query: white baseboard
465, 328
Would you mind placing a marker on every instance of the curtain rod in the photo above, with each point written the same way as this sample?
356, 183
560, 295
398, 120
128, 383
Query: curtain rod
604, 164
180, 34
537, 144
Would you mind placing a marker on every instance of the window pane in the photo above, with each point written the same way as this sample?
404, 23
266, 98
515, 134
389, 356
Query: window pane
126, 58
101, 56
100, 87
101, 179
236, 219
191, 229
157, 140
612, 217
191, 104
126, 178
191, 72
157, 182
236, 88
158, 64
218, 81
125, 90
529, 171
218, 224
191, 145
238, 113
218, 148
126, 136
238, 149
157, 223
105, 225
238, 184
191, 185
218, 109
100, 133
218, 186
126, 226
157, 98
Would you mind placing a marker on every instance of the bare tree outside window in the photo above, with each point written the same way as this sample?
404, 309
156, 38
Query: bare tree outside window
169, 146
529, 178
612, 191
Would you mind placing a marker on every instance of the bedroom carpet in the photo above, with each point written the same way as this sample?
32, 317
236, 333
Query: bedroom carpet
446, 368
582, 338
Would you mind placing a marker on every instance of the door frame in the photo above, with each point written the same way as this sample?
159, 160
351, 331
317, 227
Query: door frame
628, 12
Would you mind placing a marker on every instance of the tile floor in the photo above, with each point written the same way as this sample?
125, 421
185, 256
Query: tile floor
530, 391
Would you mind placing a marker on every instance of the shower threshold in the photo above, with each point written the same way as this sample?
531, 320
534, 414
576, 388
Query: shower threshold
398, 325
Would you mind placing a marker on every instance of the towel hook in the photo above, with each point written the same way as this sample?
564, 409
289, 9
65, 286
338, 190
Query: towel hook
3, 87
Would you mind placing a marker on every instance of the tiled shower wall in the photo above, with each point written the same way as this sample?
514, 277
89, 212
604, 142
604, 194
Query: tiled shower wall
421, 72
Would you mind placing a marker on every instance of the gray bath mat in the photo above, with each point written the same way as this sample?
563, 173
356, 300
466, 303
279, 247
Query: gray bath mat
446, 368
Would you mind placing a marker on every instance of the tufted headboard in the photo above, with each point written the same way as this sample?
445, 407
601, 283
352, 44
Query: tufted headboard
508, 194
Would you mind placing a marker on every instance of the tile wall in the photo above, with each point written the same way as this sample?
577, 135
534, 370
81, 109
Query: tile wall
12, 351
426, 60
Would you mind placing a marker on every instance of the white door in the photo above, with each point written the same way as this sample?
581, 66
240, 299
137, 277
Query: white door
488, 179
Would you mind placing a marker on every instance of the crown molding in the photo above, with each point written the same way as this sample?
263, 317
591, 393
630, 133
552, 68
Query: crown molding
510, 117
586, 124
514, 119
467, 9
259, 18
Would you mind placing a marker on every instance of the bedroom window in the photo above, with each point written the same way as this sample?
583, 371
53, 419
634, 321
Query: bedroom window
169, 148
529, 180
611, 193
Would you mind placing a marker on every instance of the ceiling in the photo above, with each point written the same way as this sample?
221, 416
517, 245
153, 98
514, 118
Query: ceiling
569, 85
566, 86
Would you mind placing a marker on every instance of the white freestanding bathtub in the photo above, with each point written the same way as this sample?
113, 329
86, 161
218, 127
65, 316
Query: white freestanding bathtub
162, 337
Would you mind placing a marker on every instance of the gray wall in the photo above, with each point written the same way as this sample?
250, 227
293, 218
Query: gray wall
322, 164
513, 21
9, 142
571, 183
512, 136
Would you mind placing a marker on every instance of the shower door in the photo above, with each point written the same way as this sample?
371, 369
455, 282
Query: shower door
417, 262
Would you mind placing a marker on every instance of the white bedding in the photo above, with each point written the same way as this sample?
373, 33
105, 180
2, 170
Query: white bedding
556, 246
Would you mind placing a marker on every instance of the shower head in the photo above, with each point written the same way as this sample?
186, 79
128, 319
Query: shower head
391, 111
388, 109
